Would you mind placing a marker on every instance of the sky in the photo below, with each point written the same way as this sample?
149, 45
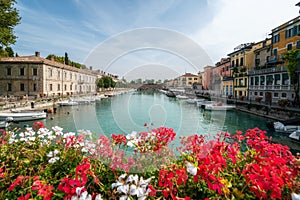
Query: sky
146, 39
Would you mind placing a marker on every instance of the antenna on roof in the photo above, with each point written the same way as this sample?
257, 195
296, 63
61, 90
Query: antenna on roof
298, 4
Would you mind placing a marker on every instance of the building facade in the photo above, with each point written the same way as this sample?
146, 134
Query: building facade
37, 76
226, 80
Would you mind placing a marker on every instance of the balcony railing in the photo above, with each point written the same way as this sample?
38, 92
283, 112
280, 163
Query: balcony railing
268, 70
270, 87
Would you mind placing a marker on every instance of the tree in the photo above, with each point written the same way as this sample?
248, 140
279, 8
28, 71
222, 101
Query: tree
9, 18
292, 61
66, 58
9, 51
100, 83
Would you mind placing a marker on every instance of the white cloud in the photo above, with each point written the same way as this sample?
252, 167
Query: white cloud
242, 21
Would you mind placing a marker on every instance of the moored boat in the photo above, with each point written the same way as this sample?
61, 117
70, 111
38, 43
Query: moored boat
23, 116
170, 94
295, 135
219, 106
285, 126
67, 103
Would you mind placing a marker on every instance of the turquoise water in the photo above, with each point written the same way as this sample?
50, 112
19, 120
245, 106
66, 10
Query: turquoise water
129, 112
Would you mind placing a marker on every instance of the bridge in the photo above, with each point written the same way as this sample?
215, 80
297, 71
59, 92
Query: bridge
149, 87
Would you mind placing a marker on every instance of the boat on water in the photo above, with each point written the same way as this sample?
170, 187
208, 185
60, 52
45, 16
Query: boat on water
4, 124
219, 106
22, 116
295, 135
182, 97
191, 101
67, 103
170, 94
203, 104
285, 126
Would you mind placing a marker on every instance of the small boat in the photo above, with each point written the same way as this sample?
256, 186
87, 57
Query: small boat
191, 101
295, 135
182, 97
219, 106
203, 104
285, 126
4, 124
23, 116
170, 94
67, 103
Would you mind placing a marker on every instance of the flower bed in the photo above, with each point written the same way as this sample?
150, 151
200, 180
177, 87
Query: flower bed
50, 164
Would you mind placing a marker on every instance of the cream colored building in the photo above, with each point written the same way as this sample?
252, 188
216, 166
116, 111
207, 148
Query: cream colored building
186, 81
37, 76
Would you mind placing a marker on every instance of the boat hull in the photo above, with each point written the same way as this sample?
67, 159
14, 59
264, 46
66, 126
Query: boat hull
18, 117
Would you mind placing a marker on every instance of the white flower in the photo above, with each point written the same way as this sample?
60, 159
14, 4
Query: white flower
133, 190
132, 178
123, 189
78, 190
144, 182
117, 184
22, 134
122, 177
98, 197
191, 168
295, 196
53, 160
131, 136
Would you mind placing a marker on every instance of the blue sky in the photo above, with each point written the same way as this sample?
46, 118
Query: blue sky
80, 26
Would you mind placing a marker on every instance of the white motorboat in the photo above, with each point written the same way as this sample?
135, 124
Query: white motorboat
295, 135
219, 107
182, 97
4, 124
203, 104
191, 101
23, 116
285, 126
67, 103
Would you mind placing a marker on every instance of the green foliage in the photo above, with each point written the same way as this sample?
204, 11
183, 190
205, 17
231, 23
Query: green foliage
106, 82
9, 18
9, 51
292, 61
65, 60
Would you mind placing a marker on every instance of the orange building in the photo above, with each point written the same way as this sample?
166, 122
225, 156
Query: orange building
285, 37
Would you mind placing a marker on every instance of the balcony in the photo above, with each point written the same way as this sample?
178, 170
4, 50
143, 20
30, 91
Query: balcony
268, 70
270, 87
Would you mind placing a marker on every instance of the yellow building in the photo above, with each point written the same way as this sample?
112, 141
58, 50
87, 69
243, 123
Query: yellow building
242, 59
285, 37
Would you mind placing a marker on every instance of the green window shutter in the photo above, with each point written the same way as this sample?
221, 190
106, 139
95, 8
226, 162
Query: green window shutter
295, 31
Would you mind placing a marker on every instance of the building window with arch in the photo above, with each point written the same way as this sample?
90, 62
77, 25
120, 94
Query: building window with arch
8, 71
22, 71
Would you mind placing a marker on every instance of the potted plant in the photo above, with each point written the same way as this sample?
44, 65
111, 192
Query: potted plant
282, 102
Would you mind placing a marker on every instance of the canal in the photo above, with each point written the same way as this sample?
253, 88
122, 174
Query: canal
129, 112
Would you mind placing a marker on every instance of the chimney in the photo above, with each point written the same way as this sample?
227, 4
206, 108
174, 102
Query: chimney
52, 57
37, 54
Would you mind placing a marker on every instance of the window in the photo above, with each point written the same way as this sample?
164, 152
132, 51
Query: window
58, 87
22, 71
252, 81
283, 95
232, 63
8, 71
9, 89
262, 80
190, 79
255, 93
257, 61
237, 62
22, 87
71, 87
277, 79
261, 94
270, 79
298, 44
275, 52
58, 74
289, 46
50, 73
34, 71
34, 87
242, 62
65, 87
285, 79
276, 94
256, 80
51, 87
276, 38
289, 33
195, 79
